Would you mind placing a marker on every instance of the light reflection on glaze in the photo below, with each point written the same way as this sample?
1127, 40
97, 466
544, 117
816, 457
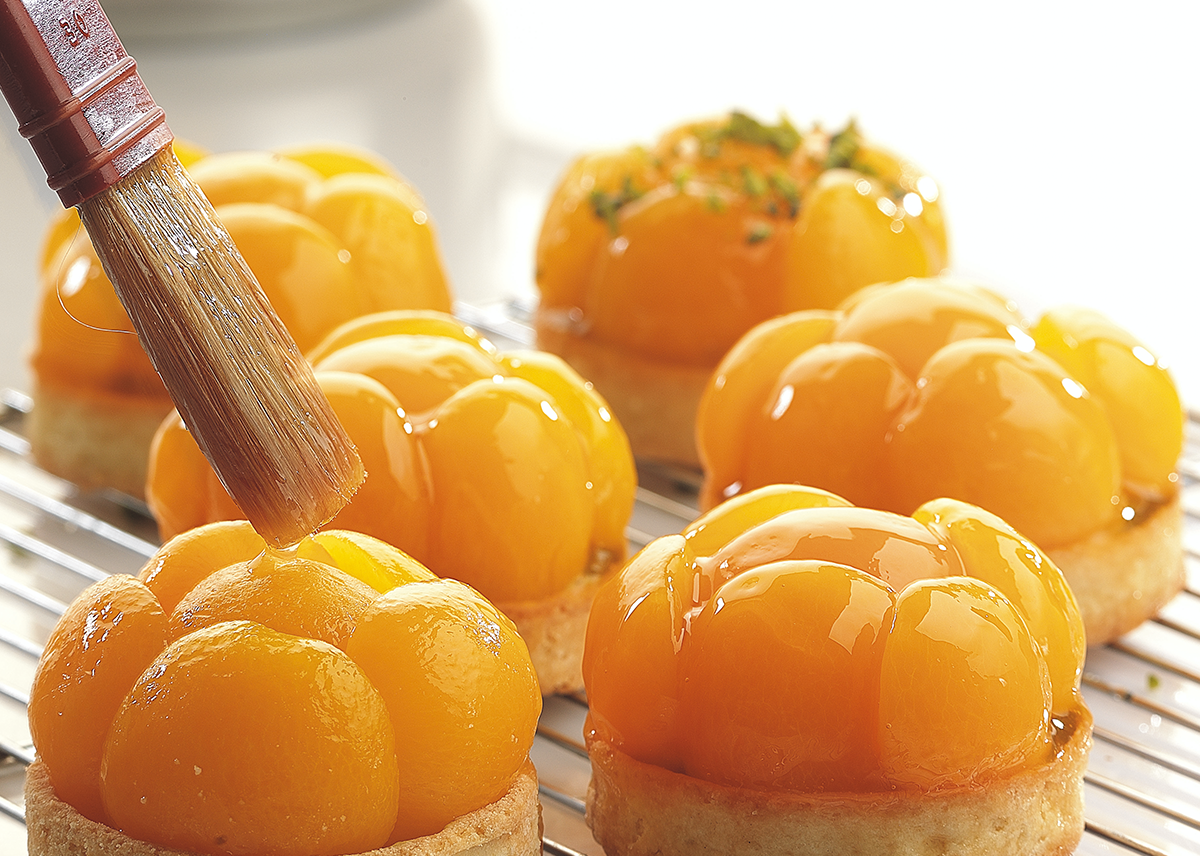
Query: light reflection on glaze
893, 548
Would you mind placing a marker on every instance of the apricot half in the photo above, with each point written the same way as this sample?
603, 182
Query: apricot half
222, 746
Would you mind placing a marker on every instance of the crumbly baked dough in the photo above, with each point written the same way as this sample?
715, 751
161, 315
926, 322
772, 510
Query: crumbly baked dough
554, 630
510, 826
1125, 575
95, 438
637, 809
655, 401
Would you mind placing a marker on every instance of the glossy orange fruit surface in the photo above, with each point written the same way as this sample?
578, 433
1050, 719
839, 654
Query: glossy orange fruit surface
963, 690
514, 513
814, 700
1133, 386
428, 646
790, 641
1008, 430
283, 591
630, 661
223, 746
105, 639
328, 700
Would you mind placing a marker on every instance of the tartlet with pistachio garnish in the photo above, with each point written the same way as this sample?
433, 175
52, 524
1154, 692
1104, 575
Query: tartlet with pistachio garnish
653, 261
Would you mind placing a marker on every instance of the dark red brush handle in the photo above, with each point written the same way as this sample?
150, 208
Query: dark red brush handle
76, 95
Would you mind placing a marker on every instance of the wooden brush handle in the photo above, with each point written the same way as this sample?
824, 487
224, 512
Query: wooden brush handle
233, 371
76, 95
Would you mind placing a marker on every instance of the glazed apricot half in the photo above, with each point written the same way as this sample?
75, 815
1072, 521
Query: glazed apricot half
788, 641
313, 702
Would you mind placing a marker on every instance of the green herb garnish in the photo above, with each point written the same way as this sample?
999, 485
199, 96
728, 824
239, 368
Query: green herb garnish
759, 233
606, 205
843, 147
753, 182
786, 186
784, 137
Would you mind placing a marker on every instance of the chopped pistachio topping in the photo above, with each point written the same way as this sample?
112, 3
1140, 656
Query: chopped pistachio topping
784, 137
753, 182
714, 202
606, 205
759, 233
786, 186
843, 146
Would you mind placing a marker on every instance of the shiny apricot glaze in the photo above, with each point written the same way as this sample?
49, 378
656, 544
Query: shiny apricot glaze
673, 252
926, 388
329, 234
787, 640
231, 699
501, 469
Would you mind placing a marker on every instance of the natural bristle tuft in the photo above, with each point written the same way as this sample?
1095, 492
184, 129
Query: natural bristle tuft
240, 384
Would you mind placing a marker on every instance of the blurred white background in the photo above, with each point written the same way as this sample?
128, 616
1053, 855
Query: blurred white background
1062, 133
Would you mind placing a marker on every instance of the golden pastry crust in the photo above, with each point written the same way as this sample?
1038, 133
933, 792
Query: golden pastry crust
510, 826
635, 809
655, 401
94, 438
554, 630
1125, 575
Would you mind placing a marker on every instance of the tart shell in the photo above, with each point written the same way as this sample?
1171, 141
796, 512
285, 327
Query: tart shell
637, 809
95, 438
1125, 575
554, 630
510, 826
655, 401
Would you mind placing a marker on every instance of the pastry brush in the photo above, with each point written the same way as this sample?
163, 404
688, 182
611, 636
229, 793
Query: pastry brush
231, 368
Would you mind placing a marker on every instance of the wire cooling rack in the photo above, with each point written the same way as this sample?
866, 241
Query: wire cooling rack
1142, 789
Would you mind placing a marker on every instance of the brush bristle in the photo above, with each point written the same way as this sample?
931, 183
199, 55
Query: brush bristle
239, 382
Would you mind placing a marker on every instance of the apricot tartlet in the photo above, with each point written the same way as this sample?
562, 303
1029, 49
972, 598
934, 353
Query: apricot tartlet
652, 262
796, 675
1068, 428
332, 699
504, 470
330, 232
